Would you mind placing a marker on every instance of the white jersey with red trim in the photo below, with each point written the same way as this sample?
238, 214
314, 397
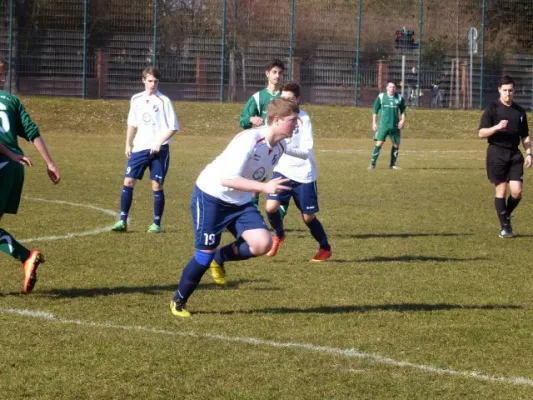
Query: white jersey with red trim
296, 168
248, 155
152, 116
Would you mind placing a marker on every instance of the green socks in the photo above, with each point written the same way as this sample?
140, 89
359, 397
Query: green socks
375, 155
393, 156
10, 246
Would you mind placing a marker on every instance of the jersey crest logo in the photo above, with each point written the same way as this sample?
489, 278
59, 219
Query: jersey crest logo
147, 118
259, 174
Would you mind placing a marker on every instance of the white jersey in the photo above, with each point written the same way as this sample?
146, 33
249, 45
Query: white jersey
248, 155
153, 116
296, 168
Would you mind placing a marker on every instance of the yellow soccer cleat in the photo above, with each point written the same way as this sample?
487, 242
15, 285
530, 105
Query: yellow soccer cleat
218, 273
178, 309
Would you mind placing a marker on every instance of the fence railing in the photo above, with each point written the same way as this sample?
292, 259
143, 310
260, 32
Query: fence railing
341, 52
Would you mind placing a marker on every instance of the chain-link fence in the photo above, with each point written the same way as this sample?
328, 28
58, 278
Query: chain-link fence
441, 54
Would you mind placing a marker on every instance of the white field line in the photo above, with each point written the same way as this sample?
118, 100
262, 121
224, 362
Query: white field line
350, 353
71, 235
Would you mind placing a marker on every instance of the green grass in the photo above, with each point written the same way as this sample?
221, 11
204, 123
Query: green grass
419, 278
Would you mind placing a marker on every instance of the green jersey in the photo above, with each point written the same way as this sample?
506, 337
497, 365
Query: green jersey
387, 108
15, 122
256, 107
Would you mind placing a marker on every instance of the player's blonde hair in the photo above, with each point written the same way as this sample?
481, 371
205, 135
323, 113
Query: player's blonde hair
280, 108
151, 71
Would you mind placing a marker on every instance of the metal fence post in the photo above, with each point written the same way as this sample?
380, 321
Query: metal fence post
531, 104
223, 54
84, 67
482, 72
291, 40
156, 12
420, 27
10, 50
357, 51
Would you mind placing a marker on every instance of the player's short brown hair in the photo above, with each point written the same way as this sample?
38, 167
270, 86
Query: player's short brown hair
275, 63
151, 71
280, 108
506, 80
4, 64
292, 87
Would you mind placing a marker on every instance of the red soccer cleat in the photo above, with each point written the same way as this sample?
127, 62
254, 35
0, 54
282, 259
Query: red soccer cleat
276, 241
321, 255
30, 269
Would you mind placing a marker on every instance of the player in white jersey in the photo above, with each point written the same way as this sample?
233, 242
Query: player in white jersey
222, 198
302, 175
151, 124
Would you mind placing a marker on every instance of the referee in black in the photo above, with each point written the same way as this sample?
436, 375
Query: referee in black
504, 125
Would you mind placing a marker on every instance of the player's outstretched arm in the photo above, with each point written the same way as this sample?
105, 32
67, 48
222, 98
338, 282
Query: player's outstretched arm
15, 157
53, 172
276, 185
248, 185
401, 123
486, 132
375, 122
156, 147
526, 142
130, 134
250, 115
298, 152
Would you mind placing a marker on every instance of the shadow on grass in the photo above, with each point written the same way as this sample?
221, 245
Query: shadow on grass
377, 259
150, 290
419, 258
449, 168
401, 235
403, 307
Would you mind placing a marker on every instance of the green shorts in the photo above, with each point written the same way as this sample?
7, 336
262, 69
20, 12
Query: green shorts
382, 134
11, 182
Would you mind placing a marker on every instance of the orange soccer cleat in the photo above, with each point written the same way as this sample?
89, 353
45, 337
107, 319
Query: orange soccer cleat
30, 270
321, 255
276, 241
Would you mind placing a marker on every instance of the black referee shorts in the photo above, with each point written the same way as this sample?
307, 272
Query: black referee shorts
504, 165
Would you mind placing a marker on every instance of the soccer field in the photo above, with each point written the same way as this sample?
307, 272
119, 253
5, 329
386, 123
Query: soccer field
421, 298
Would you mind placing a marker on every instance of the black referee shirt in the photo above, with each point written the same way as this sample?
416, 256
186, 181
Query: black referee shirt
516, 127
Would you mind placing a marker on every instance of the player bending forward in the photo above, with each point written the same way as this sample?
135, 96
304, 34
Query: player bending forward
222, 198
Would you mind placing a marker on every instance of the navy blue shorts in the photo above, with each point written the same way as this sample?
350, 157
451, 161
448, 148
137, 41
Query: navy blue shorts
210, 216
157, 163
305, 195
